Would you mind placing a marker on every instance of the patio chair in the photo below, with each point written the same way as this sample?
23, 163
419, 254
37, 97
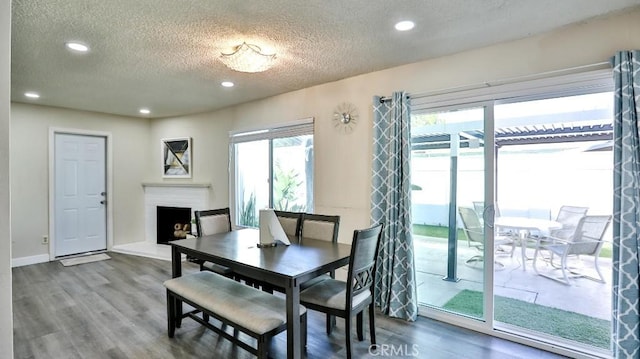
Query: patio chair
474, 231
569, 216
586, 240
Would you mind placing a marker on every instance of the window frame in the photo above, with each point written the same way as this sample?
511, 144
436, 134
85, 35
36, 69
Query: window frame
302, 127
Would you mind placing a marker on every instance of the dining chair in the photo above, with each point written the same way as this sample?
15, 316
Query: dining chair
320, 227
474, 231
291, 224
325, 228
586, 240
209, 222
346, 299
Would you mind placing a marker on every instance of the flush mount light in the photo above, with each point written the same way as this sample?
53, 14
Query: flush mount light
247, 58
77, 46
32, 94
227, 84
405, 25
144, 111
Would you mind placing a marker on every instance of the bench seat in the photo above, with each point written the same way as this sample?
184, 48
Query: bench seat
260, 315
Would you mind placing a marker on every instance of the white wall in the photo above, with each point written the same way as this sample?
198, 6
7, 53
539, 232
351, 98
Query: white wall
6, 314
30, 177
210, 151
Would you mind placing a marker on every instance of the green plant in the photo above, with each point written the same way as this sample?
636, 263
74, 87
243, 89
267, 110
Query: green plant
248, 212
285, 187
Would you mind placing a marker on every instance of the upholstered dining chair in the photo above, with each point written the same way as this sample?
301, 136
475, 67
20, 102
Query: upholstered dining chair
209, 222
346, 299
319, 227
291, 224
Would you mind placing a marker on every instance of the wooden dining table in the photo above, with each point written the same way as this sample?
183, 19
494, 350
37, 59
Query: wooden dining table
281, 266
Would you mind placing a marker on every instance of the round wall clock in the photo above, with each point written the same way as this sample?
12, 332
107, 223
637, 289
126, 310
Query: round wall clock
345, 117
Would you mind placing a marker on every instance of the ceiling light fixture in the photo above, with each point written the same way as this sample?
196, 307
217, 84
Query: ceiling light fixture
227, 84
247, 58
405, 25
76, 46
145, 111
32, 94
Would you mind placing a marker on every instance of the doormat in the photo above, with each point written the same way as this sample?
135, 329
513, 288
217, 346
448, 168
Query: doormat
86, 259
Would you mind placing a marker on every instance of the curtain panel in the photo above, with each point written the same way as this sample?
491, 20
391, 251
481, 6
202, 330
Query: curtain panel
396, 293
626, 207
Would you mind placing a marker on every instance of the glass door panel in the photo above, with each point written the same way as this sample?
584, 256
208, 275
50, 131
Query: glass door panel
293, 174
252, 180
552, 153
447, 204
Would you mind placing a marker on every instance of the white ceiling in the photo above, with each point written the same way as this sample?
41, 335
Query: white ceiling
163, 54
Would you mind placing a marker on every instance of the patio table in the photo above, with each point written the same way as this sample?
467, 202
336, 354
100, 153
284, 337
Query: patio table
524, 226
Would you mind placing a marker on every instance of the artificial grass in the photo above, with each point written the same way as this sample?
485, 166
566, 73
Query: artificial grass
557, 322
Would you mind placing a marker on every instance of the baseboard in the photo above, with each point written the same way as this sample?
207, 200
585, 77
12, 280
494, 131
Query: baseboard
25, 261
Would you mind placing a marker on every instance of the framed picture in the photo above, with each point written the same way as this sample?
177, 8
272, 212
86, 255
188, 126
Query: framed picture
176, 157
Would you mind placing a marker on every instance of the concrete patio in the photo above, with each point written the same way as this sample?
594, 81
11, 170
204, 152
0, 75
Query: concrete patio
583, 296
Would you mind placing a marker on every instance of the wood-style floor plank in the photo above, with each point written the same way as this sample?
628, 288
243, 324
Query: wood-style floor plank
117, 309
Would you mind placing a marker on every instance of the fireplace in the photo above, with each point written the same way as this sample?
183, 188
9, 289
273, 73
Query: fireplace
172, 223
168, 194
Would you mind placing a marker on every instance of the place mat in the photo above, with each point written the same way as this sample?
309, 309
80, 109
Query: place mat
85, 259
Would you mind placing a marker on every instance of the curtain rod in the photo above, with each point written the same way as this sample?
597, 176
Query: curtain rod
510, 80
386, 99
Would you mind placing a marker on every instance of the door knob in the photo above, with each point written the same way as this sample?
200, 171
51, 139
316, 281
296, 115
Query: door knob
103, 202
103, 193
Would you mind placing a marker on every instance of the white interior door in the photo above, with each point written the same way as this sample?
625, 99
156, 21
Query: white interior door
79, 194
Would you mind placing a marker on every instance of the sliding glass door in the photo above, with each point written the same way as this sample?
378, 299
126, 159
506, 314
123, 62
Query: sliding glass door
448, 208
511, 206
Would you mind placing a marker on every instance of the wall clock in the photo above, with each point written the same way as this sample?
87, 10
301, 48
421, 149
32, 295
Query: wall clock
345, 117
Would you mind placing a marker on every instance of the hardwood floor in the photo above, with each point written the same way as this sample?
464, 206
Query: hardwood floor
116, 309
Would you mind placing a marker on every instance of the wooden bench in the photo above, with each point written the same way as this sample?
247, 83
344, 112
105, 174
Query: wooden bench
256, 313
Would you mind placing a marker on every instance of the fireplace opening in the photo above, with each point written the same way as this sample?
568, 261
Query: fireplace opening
173, 223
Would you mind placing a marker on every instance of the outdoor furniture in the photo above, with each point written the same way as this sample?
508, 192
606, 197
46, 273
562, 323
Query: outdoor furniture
586, 240
523, 226
569, 216
474, 231
345, 299
279, 266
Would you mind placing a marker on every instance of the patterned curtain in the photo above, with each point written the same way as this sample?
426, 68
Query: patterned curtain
391, 204
626, 207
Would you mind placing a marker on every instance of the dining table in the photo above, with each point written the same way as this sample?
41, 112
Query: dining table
284, 266
524, 226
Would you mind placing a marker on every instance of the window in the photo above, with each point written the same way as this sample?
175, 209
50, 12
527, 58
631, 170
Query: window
272, 168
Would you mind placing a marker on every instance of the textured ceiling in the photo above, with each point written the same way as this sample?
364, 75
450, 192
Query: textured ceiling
163, 54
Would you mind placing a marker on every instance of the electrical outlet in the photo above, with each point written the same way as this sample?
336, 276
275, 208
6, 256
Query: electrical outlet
45, 239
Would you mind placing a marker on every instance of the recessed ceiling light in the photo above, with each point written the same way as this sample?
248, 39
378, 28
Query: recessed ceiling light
76, 46
32, 94
145, 111
227, 84
405, 25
